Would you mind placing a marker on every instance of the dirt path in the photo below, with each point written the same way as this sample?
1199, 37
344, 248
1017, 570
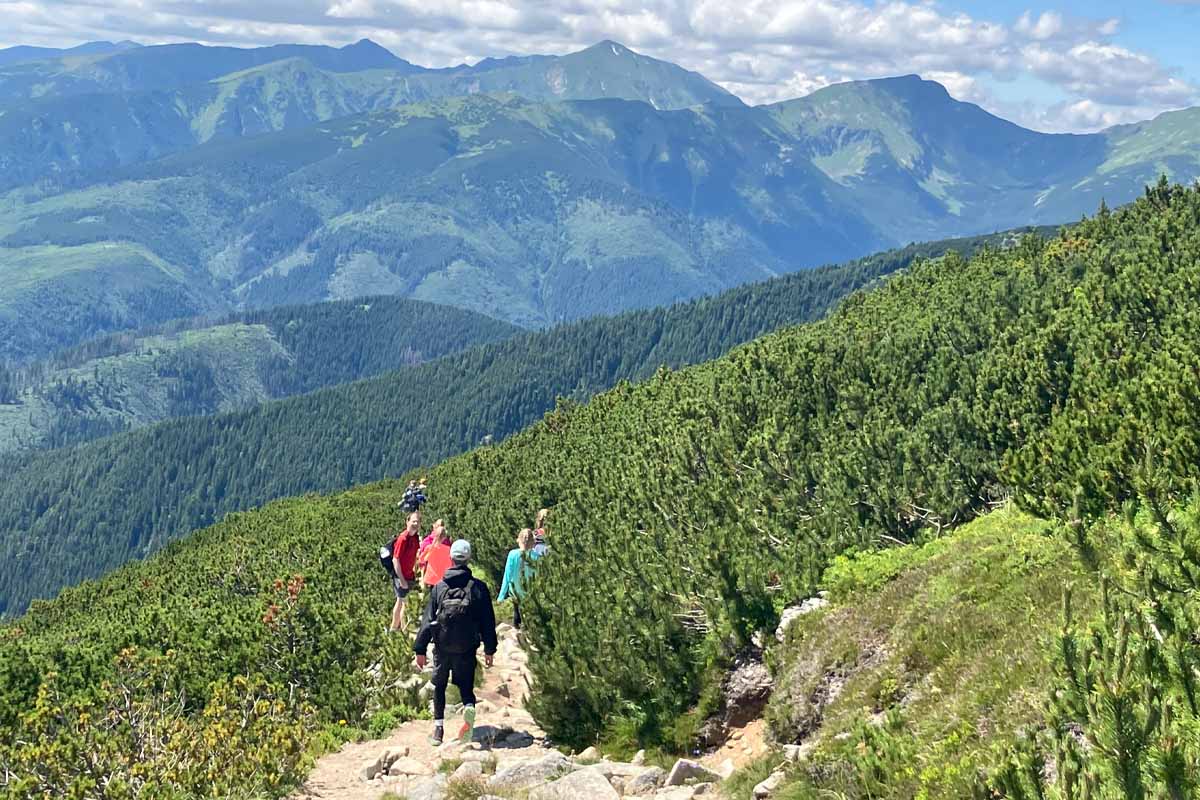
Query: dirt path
508, 743
503, 729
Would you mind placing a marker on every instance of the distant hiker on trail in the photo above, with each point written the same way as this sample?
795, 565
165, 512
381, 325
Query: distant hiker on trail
404, 563
539, 533
517, 570
458, 618
414, 496
434, 558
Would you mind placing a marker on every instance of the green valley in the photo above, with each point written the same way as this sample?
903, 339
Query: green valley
180, 475
198, 367
688, 510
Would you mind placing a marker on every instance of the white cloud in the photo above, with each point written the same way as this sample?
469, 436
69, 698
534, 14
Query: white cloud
763, 50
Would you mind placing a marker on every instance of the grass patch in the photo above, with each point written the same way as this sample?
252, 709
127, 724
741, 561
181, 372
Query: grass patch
469, 789
740, 785
929, 662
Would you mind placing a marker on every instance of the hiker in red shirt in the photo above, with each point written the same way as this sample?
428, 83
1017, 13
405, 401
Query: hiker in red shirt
404, 565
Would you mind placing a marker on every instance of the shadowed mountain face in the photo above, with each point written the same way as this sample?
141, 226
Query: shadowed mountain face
155, 182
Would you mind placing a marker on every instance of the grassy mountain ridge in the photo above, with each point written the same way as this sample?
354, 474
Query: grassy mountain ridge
184, 474
919, 156
170, 66
689, 509
136, 112
23, 53
193, 368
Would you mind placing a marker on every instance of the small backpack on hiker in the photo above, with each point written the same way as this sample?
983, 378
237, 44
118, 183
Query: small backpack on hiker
385, 557
456, 628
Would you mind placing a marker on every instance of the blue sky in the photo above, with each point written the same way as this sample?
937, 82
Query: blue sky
1167, 31
1058, 65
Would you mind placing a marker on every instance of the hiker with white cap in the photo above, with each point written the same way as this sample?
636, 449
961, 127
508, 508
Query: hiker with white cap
458, 618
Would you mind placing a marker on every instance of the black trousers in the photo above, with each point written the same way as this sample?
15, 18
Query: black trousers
456, 667
516, 613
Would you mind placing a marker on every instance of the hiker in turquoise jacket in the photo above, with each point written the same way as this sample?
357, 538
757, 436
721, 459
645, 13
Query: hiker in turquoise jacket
516, 570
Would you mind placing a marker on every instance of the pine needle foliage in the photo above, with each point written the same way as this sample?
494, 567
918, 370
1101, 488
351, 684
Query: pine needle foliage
688, 509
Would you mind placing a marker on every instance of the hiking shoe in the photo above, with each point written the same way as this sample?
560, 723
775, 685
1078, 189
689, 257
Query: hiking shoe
467, 731
435, 738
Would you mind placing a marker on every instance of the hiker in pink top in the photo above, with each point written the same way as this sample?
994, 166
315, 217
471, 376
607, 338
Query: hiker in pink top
434, 558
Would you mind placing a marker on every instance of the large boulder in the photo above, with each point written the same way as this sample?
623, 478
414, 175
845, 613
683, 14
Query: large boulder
686, 771
647, 781
528, 773
585, 783
745, 692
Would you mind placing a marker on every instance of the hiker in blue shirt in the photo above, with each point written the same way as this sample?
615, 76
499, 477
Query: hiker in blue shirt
517, 570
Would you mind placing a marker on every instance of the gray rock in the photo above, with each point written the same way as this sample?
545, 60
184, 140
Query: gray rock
428, 789
745, 693
793, 613
527, 773
480, 756
646, 782
590, 754
468, 770
676, 793
767, 787
611, 768
686, 771
409, 766
798, 752
639, 758
370, 769
585, 783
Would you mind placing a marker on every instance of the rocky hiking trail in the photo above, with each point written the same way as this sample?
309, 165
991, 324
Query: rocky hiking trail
509, 756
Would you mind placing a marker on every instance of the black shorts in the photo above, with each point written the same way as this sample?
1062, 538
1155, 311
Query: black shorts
400, 591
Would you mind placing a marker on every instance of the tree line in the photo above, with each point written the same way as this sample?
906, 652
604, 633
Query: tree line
76, 513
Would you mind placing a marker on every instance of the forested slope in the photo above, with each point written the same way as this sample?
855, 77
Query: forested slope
76, 513
687, 510
197, 367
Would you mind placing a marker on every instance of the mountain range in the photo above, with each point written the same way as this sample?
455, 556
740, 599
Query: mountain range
144, 184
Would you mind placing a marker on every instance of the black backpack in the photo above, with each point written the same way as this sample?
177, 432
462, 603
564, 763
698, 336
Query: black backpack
385, 556
455, 622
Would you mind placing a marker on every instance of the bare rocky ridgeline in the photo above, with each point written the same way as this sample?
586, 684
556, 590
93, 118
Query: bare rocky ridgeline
509, 757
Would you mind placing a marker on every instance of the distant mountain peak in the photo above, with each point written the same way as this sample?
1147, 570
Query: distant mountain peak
607, 46
367, 45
